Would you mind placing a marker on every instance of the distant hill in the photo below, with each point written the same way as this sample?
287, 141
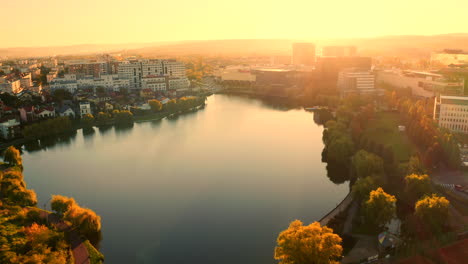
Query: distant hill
407, 46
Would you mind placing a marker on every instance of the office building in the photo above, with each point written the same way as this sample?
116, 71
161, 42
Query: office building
356, 81
451, 112
303, 54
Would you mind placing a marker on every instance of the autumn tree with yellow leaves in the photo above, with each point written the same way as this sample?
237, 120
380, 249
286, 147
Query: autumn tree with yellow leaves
312, 244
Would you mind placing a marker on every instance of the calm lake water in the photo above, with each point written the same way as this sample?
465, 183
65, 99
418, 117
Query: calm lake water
214, 186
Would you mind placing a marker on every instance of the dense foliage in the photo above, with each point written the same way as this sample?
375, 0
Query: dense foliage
49, 127
310, 244
380, 208
433, 210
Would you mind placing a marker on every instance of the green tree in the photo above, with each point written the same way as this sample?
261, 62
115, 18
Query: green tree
415, 166
12, 156
171, 106
61, 204
155, 105
365, 164
433, 210
87, 121
340, 150
103, 118
380, 208
417, 185
363, 186
123, 117
310, 244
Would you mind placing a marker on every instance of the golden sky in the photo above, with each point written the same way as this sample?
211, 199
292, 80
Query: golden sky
68, 22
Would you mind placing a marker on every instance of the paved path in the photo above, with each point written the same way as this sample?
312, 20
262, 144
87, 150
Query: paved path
80, 252
338, 209
348, 225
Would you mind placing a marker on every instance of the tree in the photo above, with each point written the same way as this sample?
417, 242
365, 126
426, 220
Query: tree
433, 210
12, 156
363, 186
366, 164
415, 166
310, 244
171, 106
87, 121
86, 220
380, 207
417, 185
123, 117
61, 204
340, 150
155, 105
102, 118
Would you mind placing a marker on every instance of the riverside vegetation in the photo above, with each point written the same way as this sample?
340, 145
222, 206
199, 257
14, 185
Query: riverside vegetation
26, 234
377, 166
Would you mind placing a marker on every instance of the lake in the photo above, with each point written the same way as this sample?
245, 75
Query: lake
214, 186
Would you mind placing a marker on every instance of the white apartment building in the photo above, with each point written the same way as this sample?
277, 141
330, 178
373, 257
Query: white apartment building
7, 128
451, 112
10, 86
85, 108
356, 81
179, 84
135, 71
155, 83
51, 76
26, 80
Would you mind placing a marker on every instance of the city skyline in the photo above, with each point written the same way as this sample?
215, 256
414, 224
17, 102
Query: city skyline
60, 24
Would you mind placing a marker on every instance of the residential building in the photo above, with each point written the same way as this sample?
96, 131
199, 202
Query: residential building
178, 84
136, 70
51, 76
422, 84
85, 108
303, 54
451, 112
26, 80
154, 83
27, 114
9, 128
356, 81
46, 112
10, 86
66, 111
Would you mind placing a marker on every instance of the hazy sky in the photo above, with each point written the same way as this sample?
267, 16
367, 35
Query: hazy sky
67, 22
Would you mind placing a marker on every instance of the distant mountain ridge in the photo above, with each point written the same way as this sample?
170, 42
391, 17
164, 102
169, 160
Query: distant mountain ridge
409, 45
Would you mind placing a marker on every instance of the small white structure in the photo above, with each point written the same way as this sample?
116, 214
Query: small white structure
401, 128
85, 108
7, 128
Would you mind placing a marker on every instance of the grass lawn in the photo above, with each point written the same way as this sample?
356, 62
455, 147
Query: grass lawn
95, 256
383, 129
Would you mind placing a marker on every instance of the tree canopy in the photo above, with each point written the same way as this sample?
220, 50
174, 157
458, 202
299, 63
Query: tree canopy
417, 185
380, 207
155, 105
13, 156
310, 244
365, 164
433, 210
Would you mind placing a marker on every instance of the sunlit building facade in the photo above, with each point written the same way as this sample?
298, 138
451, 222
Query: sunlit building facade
451, 112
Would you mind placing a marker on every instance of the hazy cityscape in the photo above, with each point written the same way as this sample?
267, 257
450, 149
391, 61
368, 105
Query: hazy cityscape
254, 132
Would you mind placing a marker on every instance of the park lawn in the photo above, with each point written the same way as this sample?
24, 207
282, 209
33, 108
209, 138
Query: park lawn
383, 129
95, 256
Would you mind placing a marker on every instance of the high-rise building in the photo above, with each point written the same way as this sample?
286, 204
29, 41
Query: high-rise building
303, 54
338, 51
356, 81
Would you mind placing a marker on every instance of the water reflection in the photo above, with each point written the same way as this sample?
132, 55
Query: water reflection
216, 186
50, 142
